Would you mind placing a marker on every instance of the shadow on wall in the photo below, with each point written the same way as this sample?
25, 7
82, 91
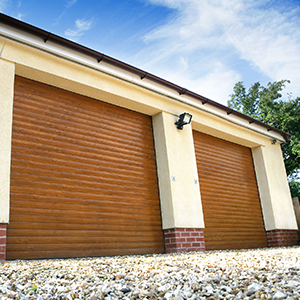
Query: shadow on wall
297, 213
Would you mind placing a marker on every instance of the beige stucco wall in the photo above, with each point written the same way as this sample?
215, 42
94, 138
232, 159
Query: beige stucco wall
180, 199
273, 187
7, 75
177, 174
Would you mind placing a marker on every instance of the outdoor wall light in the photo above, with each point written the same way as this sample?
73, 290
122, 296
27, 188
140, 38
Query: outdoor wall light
184, 119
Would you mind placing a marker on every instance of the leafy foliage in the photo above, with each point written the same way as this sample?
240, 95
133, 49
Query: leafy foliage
267, 105
295, 187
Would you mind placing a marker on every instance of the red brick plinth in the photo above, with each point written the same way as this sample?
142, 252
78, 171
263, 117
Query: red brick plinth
3, 241
184, 239
281, 238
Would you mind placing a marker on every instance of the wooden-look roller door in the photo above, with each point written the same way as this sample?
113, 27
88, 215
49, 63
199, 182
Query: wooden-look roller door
230, 199
83, 177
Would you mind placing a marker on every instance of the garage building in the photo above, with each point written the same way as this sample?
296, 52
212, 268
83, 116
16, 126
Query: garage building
93, 164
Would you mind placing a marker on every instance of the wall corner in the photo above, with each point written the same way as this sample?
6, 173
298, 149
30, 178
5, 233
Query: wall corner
276, 201
7, 76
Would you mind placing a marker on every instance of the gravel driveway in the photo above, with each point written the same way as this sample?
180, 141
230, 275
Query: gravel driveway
272, 273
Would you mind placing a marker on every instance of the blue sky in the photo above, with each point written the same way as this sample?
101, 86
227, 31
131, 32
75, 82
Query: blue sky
203, 45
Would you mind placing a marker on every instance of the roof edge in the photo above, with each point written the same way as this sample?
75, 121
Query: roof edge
48, 36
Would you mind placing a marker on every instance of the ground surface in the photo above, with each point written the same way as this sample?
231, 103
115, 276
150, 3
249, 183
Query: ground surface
246, 274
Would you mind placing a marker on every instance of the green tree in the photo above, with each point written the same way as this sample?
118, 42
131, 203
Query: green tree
295, 187
266, 104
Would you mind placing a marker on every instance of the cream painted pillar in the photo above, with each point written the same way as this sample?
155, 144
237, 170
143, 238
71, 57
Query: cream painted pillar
7, 75
276, 201
177, 174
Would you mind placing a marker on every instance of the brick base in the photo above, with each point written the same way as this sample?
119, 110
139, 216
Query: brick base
281, 238
184, 239
3, 241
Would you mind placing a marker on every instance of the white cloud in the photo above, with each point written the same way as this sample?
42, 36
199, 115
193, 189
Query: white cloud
210, 36
59, 18
184, 62
271, 42
3, 5
20, 16
81, 26
70, 3
215, 84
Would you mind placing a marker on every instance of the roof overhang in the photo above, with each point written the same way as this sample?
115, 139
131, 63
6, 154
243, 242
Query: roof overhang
48, 37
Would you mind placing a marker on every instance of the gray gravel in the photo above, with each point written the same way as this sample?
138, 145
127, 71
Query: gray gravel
272, 273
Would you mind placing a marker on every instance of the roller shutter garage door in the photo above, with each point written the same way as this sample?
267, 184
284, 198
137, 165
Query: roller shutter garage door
83, 177
230, 199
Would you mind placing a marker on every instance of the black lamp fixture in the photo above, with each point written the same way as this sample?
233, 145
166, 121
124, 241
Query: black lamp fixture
184, 119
